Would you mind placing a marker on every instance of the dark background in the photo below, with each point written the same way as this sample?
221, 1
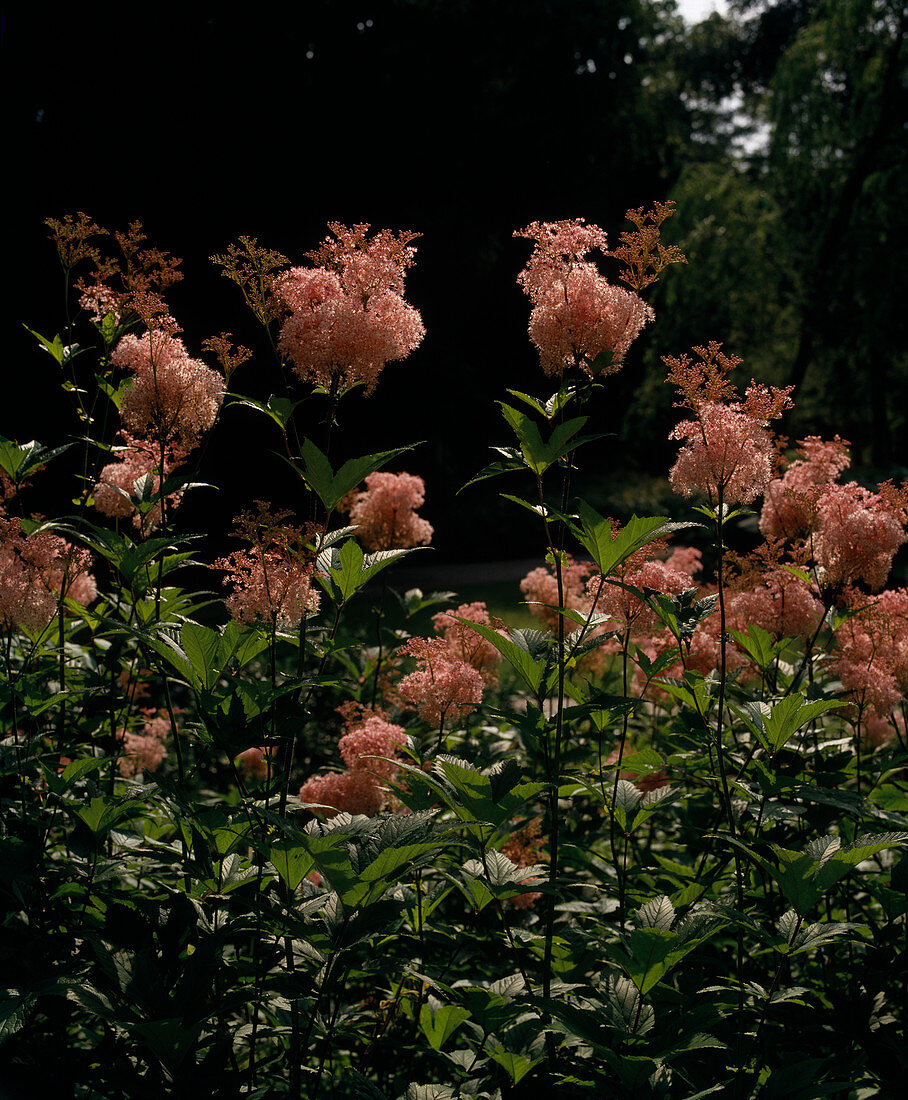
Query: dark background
779, 131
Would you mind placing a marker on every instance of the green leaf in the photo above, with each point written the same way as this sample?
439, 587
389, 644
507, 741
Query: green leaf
658, 913
438, 1021
105, 811
15, 1008
516, 1065
330, 488
349, 569
531, 446
355, 470
608, 552
292, 861
774, 724
804, 877
809, 936
62, 353
757, 643
507, 465
202, 646
18, 461
537, 454
529, 668
493, 796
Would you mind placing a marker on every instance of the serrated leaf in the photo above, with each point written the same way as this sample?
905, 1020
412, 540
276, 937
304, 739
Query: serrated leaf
658, 913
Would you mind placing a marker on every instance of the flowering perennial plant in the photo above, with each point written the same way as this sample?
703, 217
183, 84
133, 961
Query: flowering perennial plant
465, 644
651, 845
115, 490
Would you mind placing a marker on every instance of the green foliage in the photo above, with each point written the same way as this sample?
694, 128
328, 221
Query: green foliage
652, 851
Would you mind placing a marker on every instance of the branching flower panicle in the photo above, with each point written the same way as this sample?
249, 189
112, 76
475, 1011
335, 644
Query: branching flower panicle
72, 235
443, 688
228, 354
466, 644
272, 581
789, 508
578, 318
642, 252
144, 751
253, 268
172, 399
36, 571
131, 284
728, 450
348, 317
116, 486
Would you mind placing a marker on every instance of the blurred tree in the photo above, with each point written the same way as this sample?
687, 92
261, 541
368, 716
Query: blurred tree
793, 210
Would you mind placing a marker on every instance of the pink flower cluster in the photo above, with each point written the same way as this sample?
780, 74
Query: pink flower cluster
143, 752
443, 688
254, 762
540, 586
135, 460
790, 503
385, 512
272, 581
851, 533
724, 450
167, 405
172, 399
267, 586
728, 450
856, 534
358, 790
577, 314
871, 659
629, 610
781, 604
35, 570
348, 316
465, 644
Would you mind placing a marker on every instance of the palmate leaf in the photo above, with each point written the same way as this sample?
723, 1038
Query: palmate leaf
653, 948
804, 877
511, 461
331, 487
548, 407
595, 535
492, 796
539, 455
438, 1021
757, 643
361, 858
523, 650
350, 569
622, 1008
515, 1063
278, 409
18, 461
793, 940
62, 353
681, 614
774, 724
15, 1008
